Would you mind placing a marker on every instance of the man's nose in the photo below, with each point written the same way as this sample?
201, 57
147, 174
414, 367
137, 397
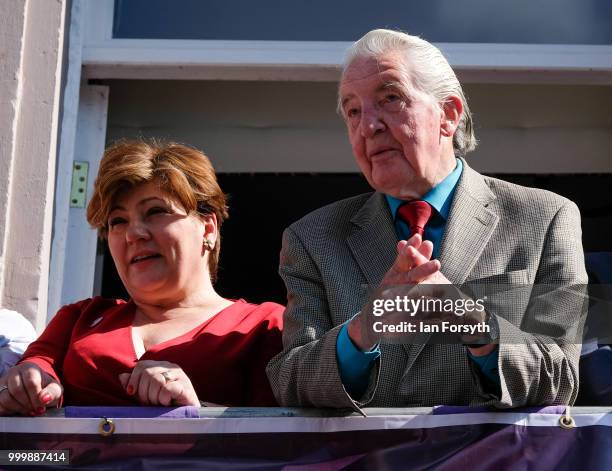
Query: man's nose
372, 123
136, 230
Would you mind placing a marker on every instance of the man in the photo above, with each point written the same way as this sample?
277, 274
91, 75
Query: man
407, 121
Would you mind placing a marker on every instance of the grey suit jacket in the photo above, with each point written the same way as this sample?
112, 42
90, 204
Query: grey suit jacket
496, 230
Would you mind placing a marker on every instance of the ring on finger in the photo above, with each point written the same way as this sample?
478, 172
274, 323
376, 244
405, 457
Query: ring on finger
166, 375
4, 387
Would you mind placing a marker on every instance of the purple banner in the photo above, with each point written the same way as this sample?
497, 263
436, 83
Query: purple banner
446, 439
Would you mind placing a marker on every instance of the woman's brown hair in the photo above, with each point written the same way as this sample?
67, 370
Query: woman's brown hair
182, 171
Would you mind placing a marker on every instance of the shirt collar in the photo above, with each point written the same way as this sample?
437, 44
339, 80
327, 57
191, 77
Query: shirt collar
439, 197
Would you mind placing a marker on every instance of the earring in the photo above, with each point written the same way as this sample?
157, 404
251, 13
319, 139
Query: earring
208, 244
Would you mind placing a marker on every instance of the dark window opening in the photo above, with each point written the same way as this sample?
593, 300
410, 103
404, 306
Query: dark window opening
263, 205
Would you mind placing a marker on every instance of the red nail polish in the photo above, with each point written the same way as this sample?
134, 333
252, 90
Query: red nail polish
32, 413
46, 397
130, 389
40, 410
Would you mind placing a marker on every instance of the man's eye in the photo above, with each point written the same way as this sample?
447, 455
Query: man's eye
391, 97
115, 221
352, 112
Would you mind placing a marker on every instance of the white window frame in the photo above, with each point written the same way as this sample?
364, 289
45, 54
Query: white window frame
108, 58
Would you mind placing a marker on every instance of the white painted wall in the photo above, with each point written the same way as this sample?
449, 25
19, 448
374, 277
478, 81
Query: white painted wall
12, 29
31, 42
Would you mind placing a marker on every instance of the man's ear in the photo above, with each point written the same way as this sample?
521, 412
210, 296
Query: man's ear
452, 108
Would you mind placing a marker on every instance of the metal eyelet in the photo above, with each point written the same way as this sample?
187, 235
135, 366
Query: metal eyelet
566, 421
106, 427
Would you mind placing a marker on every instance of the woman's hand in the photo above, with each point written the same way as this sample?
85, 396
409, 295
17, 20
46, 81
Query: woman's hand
27, 390
159, 383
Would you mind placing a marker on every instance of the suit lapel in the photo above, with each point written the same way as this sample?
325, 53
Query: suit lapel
468, 229
374, 240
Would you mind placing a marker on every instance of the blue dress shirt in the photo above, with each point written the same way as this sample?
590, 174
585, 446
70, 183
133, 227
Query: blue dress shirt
440, 198
355, 365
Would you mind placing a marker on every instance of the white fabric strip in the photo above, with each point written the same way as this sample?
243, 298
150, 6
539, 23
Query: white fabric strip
287, 424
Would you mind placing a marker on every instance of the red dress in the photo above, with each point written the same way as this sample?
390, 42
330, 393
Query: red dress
88, 344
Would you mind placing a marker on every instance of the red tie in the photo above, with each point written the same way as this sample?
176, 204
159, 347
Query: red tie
416, 214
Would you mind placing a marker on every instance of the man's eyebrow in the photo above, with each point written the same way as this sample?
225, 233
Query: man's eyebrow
391, 84
345, 99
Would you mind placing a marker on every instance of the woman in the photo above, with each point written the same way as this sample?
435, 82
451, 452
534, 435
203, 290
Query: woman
176, 341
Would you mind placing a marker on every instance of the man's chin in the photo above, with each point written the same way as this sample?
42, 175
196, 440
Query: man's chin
405, 189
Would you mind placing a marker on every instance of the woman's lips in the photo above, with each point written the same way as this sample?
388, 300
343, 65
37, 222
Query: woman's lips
144, 258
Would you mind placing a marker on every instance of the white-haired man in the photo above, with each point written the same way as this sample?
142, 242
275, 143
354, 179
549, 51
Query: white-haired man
408, 122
